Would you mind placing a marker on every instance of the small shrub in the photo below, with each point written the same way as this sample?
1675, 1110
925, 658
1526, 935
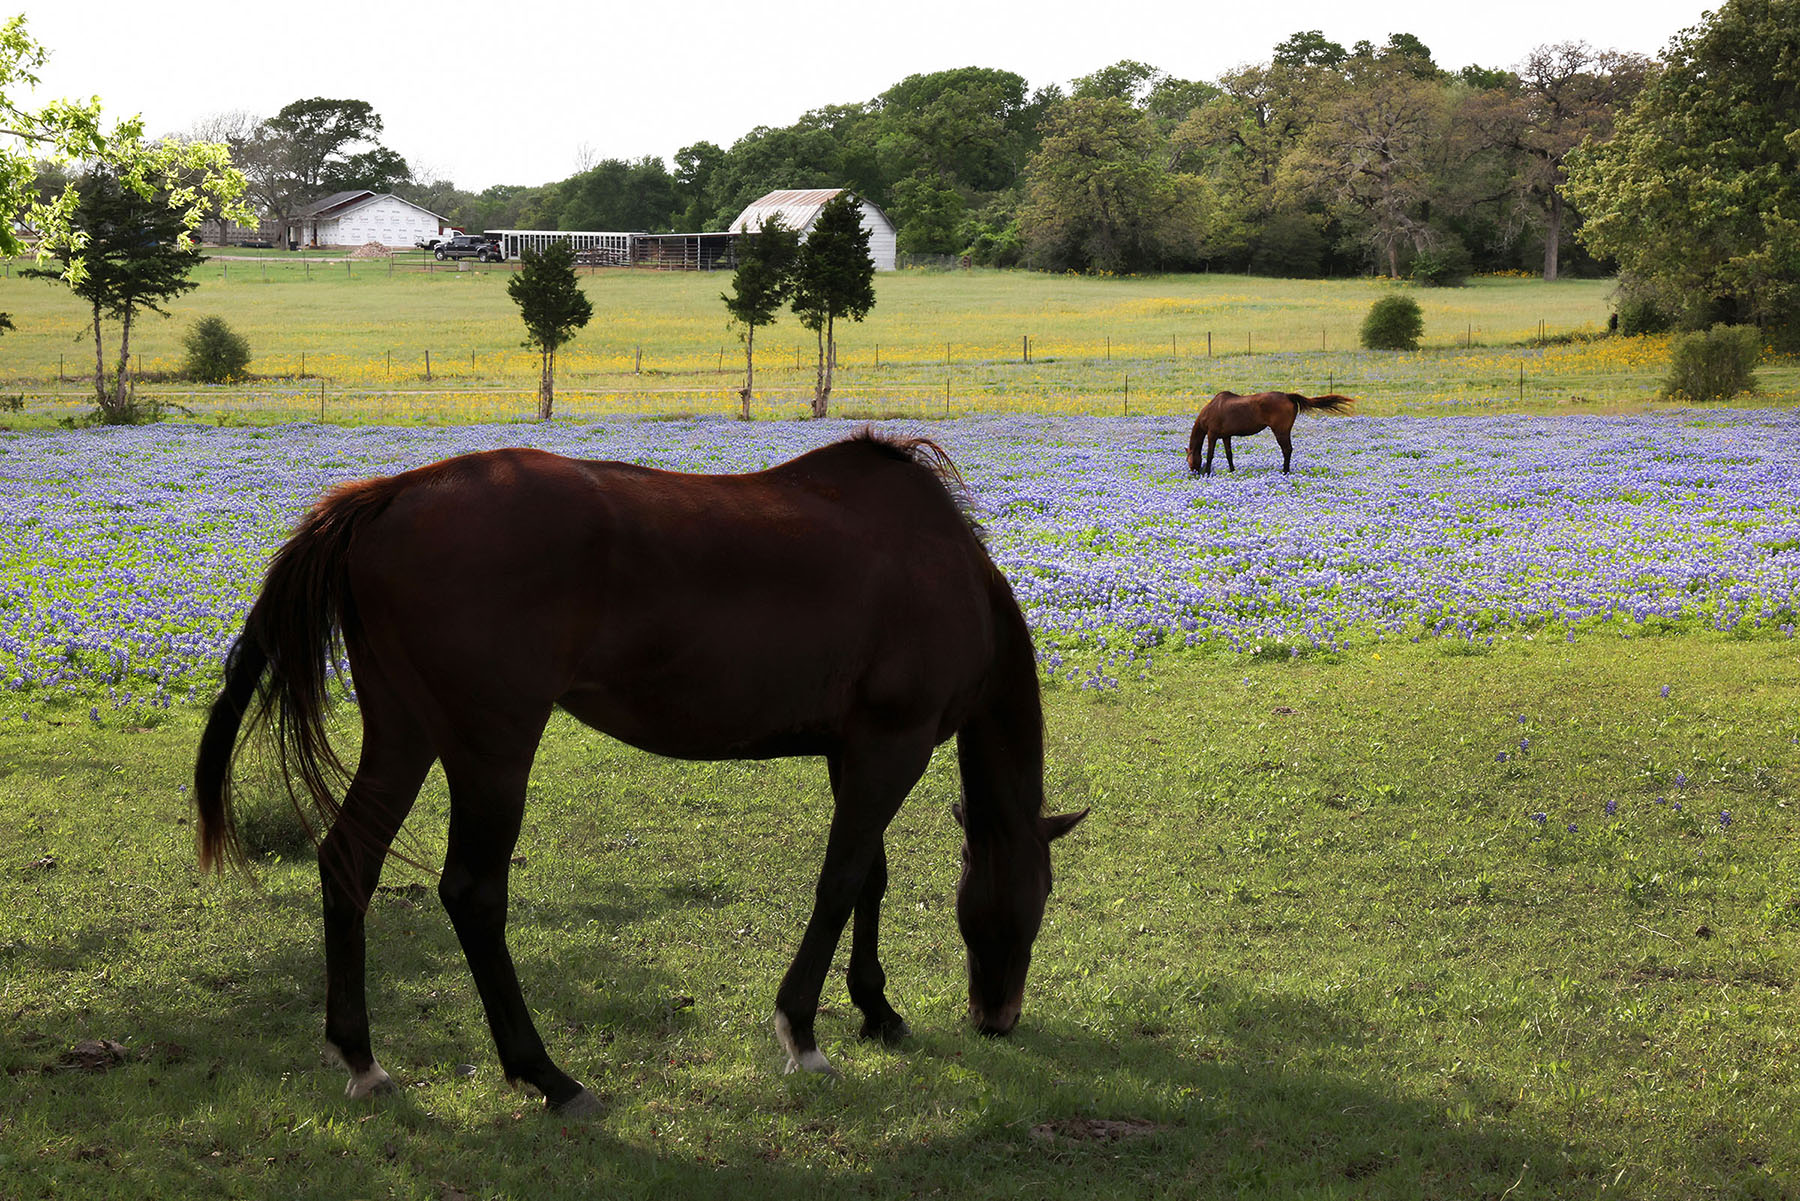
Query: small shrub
1393, 323
1713, 364
216, 354
1639, 316
1447, 266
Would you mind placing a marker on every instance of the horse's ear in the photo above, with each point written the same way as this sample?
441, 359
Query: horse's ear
1055, 827
956, 811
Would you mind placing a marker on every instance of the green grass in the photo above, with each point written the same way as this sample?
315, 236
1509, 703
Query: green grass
1311, 939
352, 338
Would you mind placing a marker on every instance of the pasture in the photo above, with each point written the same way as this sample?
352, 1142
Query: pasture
1443, 843
349, 342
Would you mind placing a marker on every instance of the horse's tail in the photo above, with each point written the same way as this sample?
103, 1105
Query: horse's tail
279, 674
1331, 403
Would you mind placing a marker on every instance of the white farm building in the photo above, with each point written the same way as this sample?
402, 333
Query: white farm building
798, 209
354, 218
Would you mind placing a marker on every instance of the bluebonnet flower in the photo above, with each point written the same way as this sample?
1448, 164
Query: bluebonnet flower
1665, 691
1725, 819
1540, 818
1500, 757
1612, 807
139, 577
1572, 827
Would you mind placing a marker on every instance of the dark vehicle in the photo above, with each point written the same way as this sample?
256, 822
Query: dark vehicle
469, 246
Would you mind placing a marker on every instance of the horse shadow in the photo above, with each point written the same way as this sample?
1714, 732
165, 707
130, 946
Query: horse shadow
1260, 1100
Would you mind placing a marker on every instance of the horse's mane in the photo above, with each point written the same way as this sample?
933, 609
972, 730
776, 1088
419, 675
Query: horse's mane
923, 452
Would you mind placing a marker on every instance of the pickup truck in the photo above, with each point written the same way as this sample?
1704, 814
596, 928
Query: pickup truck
468, 246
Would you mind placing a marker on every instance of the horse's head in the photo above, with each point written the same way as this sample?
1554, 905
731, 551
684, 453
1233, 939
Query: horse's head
999, 907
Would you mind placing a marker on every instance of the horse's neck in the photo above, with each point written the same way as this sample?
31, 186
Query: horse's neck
1001, 747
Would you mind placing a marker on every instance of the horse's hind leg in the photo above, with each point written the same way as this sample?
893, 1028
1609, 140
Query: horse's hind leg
870, 777
393, 765
1287, 449
487, 806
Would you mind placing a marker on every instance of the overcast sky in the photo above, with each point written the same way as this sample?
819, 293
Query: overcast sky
520, 91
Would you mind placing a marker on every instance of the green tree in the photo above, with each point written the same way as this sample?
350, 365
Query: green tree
1370, 152
759, 287
834, 277
313, 136
1560, 96
189, 177
1698, 194
306, 151
553, 306
1309, 48
615, 194
376, 170
1099, 199
135, 255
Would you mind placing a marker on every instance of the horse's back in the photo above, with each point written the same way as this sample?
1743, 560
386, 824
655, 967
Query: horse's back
781, 599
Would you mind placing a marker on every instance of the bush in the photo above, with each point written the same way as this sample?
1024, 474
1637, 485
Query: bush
1713, 364
1639, 316
1393, 323
1447, 266
216, 354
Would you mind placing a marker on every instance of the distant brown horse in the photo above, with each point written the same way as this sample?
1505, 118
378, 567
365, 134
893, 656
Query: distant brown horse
838, 605
1228, 415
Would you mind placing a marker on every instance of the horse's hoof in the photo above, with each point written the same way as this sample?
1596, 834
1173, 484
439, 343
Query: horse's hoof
373, 1082
814, 1063
583, 1104
892, 1032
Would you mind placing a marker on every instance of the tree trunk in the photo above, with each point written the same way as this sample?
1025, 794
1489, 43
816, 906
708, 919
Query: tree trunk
1553, 235
821, 382
546, 385
749, 371
120, 409
99, 364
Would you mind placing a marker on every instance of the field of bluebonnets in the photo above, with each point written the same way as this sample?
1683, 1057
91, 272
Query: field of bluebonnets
127, 557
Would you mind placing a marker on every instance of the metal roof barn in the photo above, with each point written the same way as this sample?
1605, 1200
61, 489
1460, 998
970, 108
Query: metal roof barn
799, 208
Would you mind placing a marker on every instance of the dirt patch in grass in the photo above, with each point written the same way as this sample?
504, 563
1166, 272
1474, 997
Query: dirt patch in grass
1093, 1130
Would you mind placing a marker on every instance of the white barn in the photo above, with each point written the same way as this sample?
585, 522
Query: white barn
798, 209
353, 218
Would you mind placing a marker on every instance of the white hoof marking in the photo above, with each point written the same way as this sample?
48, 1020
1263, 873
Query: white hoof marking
812, 1060
369, 1083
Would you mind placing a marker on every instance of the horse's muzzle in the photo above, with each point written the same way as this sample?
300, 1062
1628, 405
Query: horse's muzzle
999, 1022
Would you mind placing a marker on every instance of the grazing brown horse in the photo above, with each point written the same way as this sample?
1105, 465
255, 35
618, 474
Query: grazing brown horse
839, 605
1229, 415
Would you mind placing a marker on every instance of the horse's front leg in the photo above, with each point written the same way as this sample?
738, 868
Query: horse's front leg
868, 983
1229, 465
1212, 443
870, 777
